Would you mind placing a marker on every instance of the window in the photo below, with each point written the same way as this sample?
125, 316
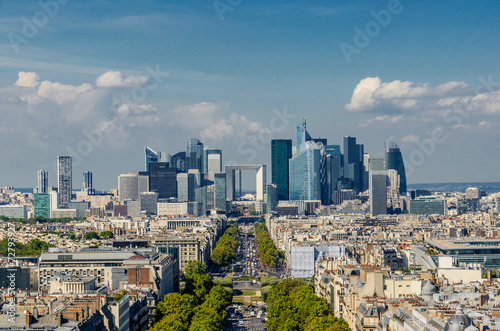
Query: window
65, 257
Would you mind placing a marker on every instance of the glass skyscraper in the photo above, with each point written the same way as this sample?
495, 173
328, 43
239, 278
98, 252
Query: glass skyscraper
87, 182
306, 173
150, 156
163, 180
42, 181
353, 167
281, 153
65, 187
194, 155
394, 160
378, 192
220, 194
301, 136
41, 204
179, 162
210, 151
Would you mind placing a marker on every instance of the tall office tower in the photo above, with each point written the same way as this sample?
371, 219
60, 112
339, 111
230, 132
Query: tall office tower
179, 162
394, 160
43, 181
377, 163
41, 204
163, 180
150, 156
281, 153
353, 168
164, 157
87, 182
332, 178
200, 196
148, 202
220, 195
194, 155
378, 192
186, 186
473, 193
272, 197
65, 187
207, 151
366, 166
324, 141
301, 136
394, 180
131, 185
306, 173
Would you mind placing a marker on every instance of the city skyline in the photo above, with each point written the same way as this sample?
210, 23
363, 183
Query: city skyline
55, 96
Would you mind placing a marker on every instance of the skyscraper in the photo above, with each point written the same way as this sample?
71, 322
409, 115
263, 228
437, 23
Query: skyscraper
41, 204
65, 187
306, 173
131, 185
353, 168
301, 136
194, 155
220, 195
87, 182
271, 197
281, 153
163, 180
179, 162
378, 192
43, 181
377, 163
206, 156
150, 156
186, 186
394, 160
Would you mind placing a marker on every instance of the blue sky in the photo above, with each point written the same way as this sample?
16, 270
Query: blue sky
431, 71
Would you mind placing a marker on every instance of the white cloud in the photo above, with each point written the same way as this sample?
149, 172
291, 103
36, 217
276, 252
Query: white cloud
28, 79
412, 138
116, 79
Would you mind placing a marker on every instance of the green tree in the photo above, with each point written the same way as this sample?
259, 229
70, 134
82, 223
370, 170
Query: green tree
195, 268
91, 235
36, 246
199, 286
206, 319
106, 234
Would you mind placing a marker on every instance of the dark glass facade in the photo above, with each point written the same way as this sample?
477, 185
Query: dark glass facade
394, 160
353, 167
281, 152
163, 180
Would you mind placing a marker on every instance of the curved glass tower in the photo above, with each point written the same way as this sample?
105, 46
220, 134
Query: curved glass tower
394, 160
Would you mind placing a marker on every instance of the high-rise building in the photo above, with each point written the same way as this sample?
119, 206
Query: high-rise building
87, 182
394, 160
306, 173
220, 195
353, 163
281, 153
131, 185
148, 201
163, 180
212, 151
301, 136
150, 156
378, 192
65, 187
194, 155
213, 164
473, 193
186, 186
179, 161
43, 181
272, 197
377, 163
333, 173
41, 204
428, 206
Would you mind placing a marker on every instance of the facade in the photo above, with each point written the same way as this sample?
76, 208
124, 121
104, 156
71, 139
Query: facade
377, 163
473, 193
13, 211
131, 185
42, 180
394, 160
41, 204
220, 195
271, 197
80, 206
87, 182
150, 156
172, 208
281, 152
163, 179
194, 155
148, 202
212, 164
65, 187
353, 164
428, 206
301, 136
179, 162
306, 173
186, 186
378, 192
303, 258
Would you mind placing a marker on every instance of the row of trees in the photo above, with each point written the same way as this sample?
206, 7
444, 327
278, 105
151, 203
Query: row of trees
293, 306
201, 306
103, 234
32, 248
40, 219
226, 248
266, 249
